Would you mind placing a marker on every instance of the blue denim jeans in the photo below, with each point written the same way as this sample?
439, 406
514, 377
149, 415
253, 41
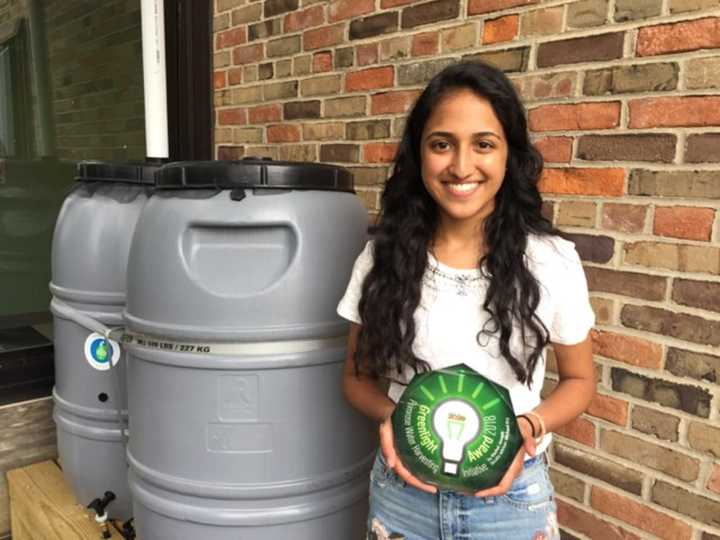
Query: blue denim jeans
526, 512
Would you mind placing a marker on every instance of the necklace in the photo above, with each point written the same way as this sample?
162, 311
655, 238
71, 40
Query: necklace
461, 282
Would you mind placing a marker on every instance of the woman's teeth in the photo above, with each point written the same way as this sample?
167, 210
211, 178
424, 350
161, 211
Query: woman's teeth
465, 187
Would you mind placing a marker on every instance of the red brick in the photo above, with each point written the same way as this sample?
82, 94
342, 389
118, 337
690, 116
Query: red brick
229, 38
369, 79
593, 247
385, 4
606, 182
325, 36
235, 76
713, 483
702, 148
423, 13
237, 116
674, 112
609, 408
629, 218
684, 222
322, 61
248, 54
424, 44
639, 515
590, 525
367, 54
575, 116
657, 147
487, 6
393, 102
679, 37
700, 294
265, 113
555, 149
631, 350
669, 323
502, 29
379, 152
219, 80
580, 429
594, 48
347, 9
636, 285
307, 18
283, 133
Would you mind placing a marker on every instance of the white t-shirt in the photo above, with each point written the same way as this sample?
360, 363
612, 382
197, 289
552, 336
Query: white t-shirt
450, 315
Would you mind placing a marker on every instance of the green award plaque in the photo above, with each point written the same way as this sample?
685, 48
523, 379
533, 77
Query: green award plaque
456, 429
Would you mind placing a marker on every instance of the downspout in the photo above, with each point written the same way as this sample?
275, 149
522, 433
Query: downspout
154, 78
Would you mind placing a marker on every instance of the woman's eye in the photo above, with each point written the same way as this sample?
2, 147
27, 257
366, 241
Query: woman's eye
439, 145
485, 145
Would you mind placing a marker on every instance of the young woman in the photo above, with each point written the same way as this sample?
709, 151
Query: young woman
463, 268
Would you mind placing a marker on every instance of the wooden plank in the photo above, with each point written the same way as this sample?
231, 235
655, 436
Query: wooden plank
28, 436
42, 507
20, 529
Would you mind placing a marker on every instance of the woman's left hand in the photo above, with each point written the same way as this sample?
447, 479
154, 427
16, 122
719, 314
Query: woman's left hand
516, 467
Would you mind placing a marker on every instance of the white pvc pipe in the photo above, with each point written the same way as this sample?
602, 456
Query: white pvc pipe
153, 46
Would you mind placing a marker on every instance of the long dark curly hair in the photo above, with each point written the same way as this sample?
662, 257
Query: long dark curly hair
408, 222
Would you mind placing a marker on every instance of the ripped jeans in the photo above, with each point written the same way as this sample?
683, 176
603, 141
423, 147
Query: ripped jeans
399, 511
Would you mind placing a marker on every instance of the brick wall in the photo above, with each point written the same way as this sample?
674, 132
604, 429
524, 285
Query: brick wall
624, 103
95, 72
95, 69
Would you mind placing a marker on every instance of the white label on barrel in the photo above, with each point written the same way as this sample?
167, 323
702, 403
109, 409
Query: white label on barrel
258, 347
101, 351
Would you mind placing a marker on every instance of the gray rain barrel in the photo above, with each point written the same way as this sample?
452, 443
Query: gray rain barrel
239, 429
90, 250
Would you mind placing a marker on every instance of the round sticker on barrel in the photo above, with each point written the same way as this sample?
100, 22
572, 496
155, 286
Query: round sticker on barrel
100, 352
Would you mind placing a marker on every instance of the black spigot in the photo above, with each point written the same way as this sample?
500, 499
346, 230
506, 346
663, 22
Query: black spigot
99, 505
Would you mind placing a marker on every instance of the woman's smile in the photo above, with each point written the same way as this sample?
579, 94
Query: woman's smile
462, 189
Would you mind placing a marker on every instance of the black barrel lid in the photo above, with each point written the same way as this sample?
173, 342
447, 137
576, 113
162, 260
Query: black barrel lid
253, 173
122, 172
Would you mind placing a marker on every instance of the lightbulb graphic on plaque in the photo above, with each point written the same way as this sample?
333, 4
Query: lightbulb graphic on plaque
457, 424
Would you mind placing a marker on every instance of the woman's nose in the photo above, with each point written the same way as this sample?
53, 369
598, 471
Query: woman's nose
462, 164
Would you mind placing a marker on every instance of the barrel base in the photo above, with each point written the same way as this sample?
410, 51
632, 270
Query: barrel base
336, 514
348, 525
92, 465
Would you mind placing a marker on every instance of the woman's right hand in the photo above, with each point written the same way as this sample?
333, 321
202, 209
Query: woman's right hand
387, 447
